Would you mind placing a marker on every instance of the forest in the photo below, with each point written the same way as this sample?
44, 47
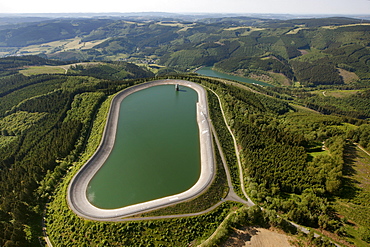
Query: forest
316, 210
299, 141
294, 160
44, 119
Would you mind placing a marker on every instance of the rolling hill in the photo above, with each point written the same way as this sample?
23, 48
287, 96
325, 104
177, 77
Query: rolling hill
309, 51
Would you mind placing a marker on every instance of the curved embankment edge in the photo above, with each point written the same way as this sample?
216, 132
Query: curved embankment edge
76, 194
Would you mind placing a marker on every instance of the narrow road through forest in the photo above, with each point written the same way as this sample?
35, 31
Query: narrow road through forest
241, 177
360, 147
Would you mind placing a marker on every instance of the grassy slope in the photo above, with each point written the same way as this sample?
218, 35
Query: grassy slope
37, 70
355, 203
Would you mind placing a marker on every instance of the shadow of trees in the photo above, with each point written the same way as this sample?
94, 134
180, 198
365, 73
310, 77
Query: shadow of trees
349, 188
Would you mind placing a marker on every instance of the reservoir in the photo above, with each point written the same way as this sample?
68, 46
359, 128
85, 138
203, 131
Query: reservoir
208, 71
156, 151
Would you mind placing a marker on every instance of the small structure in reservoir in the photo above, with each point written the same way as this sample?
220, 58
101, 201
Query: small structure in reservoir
177, 87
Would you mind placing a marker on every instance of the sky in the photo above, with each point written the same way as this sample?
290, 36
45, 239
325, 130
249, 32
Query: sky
340, 7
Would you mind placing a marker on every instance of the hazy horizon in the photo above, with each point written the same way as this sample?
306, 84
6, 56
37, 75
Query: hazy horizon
294, 7
190, 16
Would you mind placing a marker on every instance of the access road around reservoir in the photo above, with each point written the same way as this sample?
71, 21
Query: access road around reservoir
76, 194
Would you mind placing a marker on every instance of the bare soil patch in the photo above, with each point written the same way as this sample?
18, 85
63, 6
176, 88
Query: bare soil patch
261, 77
348, 77
303, 52
257, 237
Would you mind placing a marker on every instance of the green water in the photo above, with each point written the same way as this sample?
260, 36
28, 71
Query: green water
207, 71
156, 152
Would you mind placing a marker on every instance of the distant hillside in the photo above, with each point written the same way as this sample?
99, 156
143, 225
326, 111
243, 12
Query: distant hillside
317, 51
47, 31
12, 80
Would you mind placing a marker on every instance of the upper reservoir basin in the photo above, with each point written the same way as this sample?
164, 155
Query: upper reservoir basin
156, 151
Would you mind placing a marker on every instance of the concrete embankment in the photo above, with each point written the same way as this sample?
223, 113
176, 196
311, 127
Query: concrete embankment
77, 197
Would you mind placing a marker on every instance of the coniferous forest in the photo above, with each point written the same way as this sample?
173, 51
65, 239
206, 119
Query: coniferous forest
302, 142
45, 120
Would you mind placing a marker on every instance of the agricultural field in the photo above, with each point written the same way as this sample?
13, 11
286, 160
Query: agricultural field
74, 44
37, 70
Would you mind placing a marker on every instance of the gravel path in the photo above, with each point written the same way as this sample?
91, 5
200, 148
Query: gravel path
363, 149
